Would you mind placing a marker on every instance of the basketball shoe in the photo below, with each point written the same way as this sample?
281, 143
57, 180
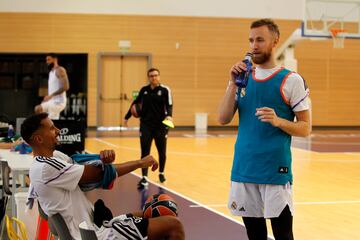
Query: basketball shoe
162, 177
143, 183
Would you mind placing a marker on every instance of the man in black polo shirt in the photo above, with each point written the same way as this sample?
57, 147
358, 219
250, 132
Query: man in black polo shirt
156, 105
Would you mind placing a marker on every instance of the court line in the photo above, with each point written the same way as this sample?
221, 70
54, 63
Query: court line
211, 155
296, 203
187, 198
298, 148
208, 207
199, 135
331, 135
328, 203
169, 152
201, 154
212, 135
338, 160
327, 143
196, 203
230, 156
320, 143
183, 196
353, 153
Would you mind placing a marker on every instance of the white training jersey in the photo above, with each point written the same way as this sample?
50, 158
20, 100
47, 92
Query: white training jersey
54, 84
294, 88
55, 182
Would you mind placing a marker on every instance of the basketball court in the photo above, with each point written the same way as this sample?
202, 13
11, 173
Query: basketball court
326, 165
326, 175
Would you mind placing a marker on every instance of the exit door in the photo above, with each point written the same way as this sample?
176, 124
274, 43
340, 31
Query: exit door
121, 76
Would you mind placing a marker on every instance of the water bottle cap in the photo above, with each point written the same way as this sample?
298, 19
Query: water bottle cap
248, 56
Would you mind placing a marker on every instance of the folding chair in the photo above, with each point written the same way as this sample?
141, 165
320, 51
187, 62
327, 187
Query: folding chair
60, 226
5, 172
86, 233
57, 226
44, 217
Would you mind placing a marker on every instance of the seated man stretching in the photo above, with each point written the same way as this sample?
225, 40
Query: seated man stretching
55, 182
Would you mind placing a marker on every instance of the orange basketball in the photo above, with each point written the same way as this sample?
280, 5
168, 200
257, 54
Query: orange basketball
160, 205
136, 110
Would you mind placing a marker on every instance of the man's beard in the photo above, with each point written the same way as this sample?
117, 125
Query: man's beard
261, 58
50, 66
56, 144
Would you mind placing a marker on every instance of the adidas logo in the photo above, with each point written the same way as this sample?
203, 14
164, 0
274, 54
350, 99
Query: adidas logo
242, 209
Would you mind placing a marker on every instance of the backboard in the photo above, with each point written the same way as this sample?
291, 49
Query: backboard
322, 17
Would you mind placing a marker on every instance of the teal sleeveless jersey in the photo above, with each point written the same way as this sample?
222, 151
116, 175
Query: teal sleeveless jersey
262, 152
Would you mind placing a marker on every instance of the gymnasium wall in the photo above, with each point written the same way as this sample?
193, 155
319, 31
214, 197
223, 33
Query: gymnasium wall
197, 71
280, 9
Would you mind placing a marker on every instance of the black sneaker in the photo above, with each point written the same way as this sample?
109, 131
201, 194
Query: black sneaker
162, 177
143, 184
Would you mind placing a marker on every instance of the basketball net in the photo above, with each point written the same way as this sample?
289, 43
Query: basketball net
338, 39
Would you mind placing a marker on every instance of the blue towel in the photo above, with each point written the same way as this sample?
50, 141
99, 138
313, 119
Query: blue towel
23, 148
85, 159
94, 160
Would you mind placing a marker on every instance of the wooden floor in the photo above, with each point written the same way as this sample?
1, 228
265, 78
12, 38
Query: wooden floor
326, 184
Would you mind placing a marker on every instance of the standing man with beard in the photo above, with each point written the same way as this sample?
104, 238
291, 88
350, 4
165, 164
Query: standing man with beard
261, 177
58, 84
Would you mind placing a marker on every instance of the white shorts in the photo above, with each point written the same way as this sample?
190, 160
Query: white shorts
53, 109
259, 200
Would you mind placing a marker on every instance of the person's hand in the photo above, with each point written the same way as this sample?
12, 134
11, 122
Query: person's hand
125, 123
17, 142
47, 98
149, 161
266, 114
169, 118
107, 156
236, 69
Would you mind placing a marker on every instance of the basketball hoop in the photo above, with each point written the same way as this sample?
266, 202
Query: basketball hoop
338, 36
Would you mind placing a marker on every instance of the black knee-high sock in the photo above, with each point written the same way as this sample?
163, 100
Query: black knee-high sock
282, 225
160, 142
145, 142
255, 228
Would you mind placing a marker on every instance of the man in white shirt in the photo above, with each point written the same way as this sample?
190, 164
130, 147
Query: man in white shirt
58, 84
55, 180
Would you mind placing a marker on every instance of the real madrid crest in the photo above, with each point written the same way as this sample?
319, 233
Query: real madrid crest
233, 205
159, 93
243, 92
